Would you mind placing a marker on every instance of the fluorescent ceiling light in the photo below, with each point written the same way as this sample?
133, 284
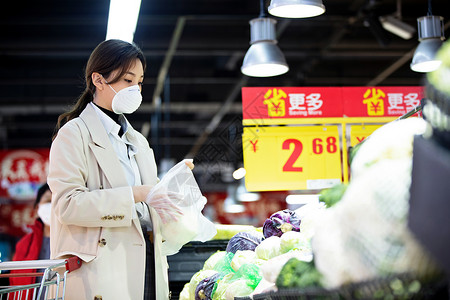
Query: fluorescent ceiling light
245, 196
431, 35
232, 207
397, 27
263, 58
122, 19
296, 8
302, 199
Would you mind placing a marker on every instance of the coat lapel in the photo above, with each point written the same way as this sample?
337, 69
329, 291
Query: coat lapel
144, 159
102, 148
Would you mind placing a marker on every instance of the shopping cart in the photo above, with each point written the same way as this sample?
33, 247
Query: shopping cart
50, 277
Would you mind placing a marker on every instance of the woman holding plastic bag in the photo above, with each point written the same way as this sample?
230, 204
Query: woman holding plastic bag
101, 174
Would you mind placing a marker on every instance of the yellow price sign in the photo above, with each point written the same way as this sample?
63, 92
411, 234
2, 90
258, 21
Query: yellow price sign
359, 132
291, 158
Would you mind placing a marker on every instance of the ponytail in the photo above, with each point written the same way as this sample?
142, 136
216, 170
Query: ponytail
75, 111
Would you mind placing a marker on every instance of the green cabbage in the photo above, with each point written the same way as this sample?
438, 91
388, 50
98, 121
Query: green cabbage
184, 294
242, 257
293, 240
238, 288
196, 279
270, 247
213, 260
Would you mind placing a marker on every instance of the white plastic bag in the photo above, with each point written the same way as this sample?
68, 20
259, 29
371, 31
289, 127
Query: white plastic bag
192, 225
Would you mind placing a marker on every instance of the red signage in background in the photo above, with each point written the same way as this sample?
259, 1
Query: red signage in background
14, 218
392, 101
328, 102
23, 171
291, 102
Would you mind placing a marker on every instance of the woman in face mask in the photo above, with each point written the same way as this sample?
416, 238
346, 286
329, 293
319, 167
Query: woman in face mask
101, 171
36, 244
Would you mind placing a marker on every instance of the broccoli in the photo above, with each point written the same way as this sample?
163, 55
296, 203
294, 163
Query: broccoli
298, 274
332, 195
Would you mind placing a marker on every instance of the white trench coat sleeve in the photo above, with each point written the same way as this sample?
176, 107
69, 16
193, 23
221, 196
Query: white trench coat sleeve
92, 213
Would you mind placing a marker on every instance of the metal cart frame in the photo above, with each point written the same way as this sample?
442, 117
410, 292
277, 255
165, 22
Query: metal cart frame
50, 277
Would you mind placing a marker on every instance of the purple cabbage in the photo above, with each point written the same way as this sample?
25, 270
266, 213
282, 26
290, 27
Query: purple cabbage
244, 241
281, 222
205, 288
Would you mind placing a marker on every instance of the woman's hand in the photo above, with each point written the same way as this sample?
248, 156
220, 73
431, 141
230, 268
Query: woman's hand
140, 192
190, 164
164, 204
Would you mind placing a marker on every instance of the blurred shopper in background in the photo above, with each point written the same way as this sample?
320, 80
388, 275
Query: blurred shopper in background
101, 171
36, 244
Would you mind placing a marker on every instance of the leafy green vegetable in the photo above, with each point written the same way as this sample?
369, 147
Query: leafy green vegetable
298, 274
213, 260
332, 195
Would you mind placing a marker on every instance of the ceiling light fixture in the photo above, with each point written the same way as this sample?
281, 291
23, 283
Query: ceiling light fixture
122, 19
394, 24
397, 27
431, 35
263, 58
296, 8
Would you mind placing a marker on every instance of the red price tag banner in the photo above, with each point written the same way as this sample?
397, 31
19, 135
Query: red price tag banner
23, 171
393, 101
291, 157
291, 102
259, 103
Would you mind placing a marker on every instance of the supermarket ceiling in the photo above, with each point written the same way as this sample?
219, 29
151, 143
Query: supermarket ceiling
200, 45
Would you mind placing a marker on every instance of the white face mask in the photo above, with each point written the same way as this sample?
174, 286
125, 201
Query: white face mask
44, 212
127, 100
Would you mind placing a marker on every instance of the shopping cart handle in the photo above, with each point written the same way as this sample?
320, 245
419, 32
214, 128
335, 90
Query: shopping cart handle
73, 263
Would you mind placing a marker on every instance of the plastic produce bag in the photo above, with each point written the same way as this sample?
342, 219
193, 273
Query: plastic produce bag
213, 260
223, 265
239, 284
269, 248
192, 225
196, 279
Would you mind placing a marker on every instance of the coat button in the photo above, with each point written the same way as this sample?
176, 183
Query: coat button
102, 243
98, 297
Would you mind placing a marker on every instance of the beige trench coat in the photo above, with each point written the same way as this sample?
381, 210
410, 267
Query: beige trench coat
92, 213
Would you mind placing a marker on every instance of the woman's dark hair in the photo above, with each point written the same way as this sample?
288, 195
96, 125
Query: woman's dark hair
41, 191
107, 57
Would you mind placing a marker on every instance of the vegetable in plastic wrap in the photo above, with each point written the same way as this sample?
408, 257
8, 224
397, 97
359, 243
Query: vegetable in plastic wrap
238, 288
223, 265
272, 267
332, 195
269, 248
244, 241
184, 294
241, 283
196, 279
294, 240
242, 257
213, 260
298, 274
206, 287
281, 222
